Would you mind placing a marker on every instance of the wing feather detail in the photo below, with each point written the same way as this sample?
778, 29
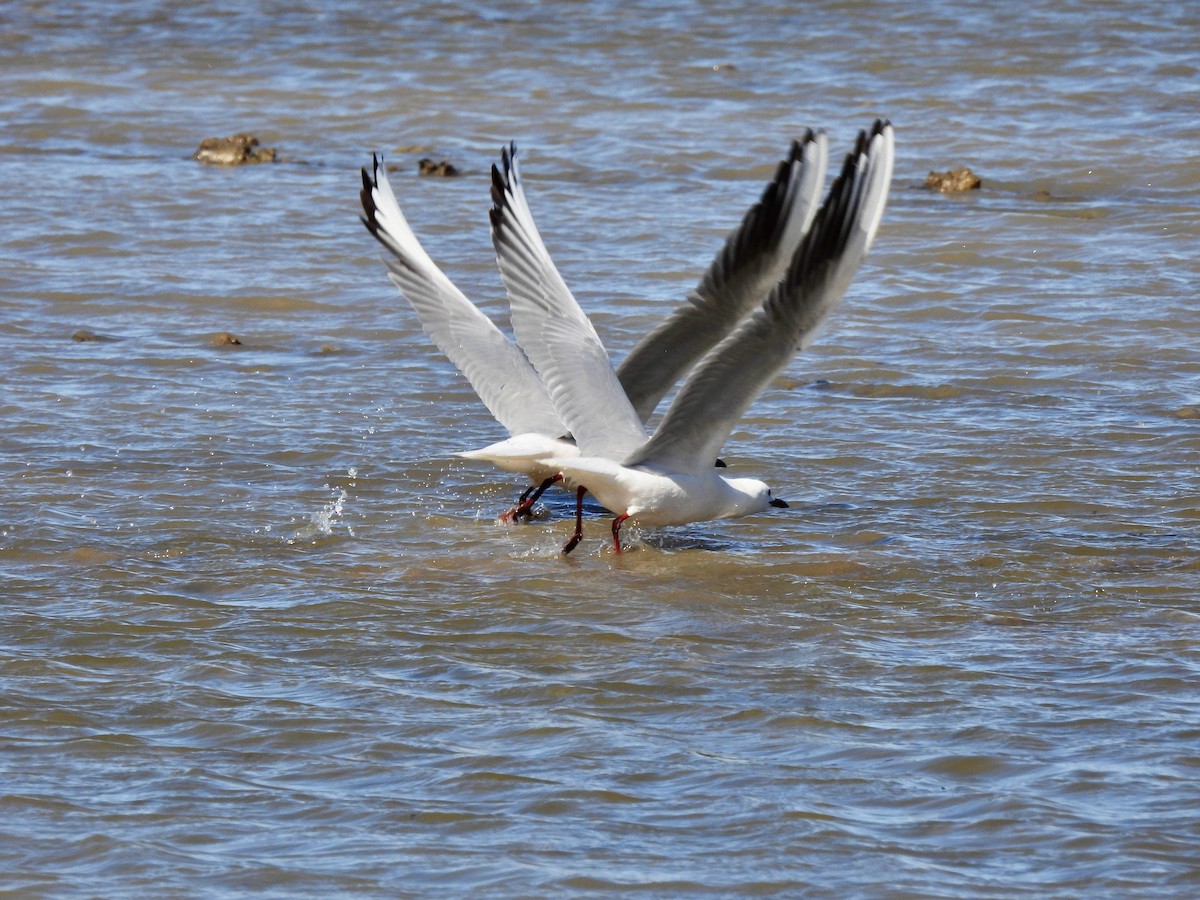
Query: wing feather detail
495, 366
553, 330
735, 372
753, 259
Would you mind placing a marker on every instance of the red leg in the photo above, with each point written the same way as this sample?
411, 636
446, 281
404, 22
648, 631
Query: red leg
530, 497
617, 531
578, 535
526, 507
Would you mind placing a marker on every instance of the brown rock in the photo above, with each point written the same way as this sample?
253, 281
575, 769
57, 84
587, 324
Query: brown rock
953, 182
234, 151
441, 169
84, 336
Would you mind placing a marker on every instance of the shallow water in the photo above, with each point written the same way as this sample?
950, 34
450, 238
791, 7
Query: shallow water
261, 631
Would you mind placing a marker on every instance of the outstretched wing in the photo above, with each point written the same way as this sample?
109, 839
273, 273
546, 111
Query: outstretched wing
554, 332
735, 372
753, 259
495, 366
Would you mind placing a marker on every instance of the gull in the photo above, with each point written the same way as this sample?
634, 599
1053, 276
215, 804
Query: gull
495, 367
668, 478
752, 259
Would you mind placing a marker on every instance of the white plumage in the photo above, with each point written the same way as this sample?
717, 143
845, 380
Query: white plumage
668, 478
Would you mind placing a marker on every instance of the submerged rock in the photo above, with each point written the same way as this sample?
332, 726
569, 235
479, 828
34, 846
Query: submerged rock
234, 151
84, 336
953, 182
441, 169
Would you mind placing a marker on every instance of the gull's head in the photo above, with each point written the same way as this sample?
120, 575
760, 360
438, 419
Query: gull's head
751, 495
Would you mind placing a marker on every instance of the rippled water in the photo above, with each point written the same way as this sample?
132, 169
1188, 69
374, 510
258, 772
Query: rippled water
261, 631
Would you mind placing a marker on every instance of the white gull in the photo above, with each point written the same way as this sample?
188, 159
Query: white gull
752, 259
668, 479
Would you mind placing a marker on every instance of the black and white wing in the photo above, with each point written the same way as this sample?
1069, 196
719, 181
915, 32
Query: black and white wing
554, 332
496, 368
732, 375
751, 262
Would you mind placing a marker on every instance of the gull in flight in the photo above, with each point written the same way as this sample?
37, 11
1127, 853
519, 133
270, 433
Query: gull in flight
668, 478
751, 261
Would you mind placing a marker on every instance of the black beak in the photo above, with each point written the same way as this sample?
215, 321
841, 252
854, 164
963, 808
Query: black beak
779, 504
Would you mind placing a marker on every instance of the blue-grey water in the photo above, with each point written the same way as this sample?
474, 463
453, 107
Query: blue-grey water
260, 633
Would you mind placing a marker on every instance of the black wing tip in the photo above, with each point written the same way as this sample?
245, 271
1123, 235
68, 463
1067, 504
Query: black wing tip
763, 224
842, 206
877, 129
366, 196
800, 144
867, 135
776, 193
498, 186
503, 176
508, 159
371, 177
370, 209
862, 146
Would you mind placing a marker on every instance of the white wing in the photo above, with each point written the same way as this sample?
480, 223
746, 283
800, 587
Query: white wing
736, 371
495, 366
554, 332
753, 259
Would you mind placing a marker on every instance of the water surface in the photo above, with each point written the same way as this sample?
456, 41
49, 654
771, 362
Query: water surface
261, 630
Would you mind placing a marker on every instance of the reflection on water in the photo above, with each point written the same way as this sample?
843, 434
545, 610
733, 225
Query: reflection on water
262, 630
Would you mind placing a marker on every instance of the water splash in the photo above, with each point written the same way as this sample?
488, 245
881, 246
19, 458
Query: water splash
325, 521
